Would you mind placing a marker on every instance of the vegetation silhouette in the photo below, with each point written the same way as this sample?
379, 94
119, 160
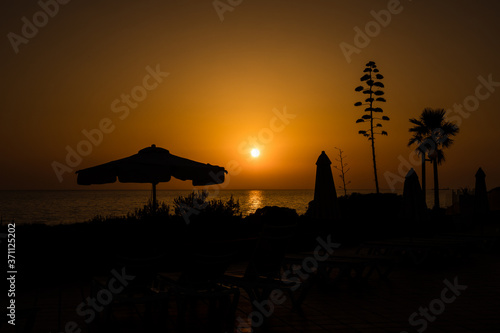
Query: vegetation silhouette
431, 134
197, 203
373, 88
344, 169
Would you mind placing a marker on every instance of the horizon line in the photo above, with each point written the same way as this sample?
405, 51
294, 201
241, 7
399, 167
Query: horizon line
239, 189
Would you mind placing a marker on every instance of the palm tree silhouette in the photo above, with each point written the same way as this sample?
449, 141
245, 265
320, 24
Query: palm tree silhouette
431, 134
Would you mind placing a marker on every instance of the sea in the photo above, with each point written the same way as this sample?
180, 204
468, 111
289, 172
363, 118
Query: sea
66, 207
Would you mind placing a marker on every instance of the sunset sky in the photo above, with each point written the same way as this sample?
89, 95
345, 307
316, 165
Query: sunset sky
274, 71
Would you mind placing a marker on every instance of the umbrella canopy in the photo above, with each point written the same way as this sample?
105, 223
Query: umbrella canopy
152, 165
413, 198
481, 204
325, 196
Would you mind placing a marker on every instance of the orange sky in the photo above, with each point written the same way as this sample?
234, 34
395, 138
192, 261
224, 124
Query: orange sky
225, 78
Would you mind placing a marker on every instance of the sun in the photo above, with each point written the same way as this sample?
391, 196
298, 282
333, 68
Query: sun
255, 152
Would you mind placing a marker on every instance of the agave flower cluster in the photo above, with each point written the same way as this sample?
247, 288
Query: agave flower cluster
372, 88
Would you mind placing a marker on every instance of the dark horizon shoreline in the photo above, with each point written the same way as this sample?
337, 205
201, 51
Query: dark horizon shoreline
239, 189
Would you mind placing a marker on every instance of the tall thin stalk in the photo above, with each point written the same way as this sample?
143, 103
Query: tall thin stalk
372, 87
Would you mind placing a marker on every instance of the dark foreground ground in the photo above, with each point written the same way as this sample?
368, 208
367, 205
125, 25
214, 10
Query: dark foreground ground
56, 266
373, 305
377, 306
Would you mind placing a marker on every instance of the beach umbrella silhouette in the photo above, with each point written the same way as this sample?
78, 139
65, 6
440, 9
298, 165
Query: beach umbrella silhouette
325, 195
152, 165
481, 204
414, 205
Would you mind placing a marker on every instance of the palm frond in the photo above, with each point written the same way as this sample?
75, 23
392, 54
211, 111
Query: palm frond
412, 141
432, 132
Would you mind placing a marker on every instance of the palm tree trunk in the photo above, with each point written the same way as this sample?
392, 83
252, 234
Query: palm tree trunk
436, 184
154, 197
424, 187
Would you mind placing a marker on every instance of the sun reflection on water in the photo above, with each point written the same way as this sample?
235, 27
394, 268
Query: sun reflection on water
255, 199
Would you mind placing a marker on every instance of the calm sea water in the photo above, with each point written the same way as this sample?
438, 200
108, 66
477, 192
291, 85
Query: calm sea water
54, 207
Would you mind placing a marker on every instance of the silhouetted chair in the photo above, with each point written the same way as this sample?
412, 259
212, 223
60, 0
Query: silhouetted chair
200, 280
137, 292
420, 250
263, 274
354, 267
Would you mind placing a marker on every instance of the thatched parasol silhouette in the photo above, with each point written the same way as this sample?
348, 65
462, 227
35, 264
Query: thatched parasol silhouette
152, 165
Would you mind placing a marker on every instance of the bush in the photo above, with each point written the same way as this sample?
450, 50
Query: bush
193, 203
219, 207
148, 211
196, 203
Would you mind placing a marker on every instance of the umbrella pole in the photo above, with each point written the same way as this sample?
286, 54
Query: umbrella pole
154, 197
